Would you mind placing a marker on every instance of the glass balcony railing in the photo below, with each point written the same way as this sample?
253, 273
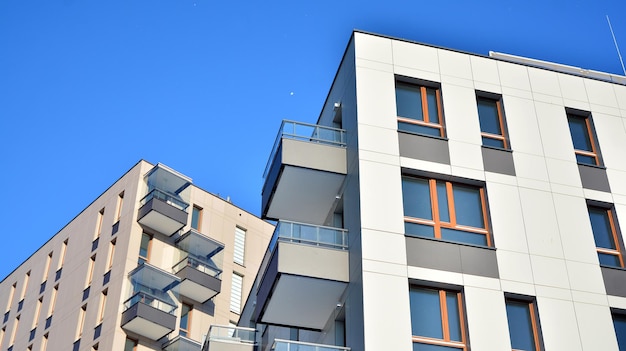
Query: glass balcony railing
150, 300
306, 132
286, 345
197, 264
168, 198
307, 234
232, 334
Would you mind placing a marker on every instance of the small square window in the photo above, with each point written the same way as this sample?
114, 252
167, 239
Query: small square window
583, 136
492, 126
419, 108
606, 236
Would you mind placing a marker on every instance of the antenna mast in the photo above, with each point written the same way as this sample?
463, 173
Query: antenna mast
616, 47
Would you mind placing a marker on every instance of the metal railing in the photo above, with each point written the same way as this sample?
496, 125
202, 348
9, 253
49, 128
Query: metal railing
232, 334
150, 300
165, 197
308, 234
306, 132
286, 345
200, 265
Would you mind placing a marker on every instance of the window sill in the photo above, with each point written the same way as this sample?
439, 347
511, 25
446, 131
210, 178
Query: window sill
496, 148
451, 242
592, 166
423, 135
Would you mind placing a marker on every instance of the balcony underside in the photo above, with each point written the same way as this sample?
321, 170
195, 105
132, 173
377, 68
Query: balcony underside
304, 182
198, 285
147, 321
302, 285
158, 215
181, 343
229, 345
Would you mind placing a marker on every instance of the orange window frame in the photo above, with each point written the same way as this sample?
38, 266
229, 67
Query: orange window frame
533, 322
436, 222
446, 341
594, 146
502, 136
618, 244
425, 112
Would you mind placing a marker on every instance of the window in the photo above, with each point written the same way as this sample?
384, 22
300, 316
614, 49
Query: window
437, 321
605, 234
37, 312
120, 202
46, 270
185, 320
130, 345
99, 224
585, 147
81, 320
92, 264
235, 293
53, 299
14, 331
196, 218
492, 127
103, 301
445, 210
111, 254
240, 246
44, 342
419, 108
523, 325
144, 248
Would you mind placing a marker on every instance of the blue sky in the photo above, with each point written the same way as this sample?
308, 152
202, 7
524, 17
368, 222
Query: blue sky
87, 88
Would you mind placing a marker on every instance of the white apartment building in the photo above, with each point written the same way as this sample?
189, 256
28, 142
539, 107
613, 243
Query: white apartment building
148, 265
446, 201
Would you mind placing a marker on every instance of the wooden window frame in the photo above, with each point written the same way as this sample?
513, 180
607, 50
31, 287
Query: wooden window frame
592, 138
445, 323
615, 234
424, 99
436, 222
503, 136
534, 320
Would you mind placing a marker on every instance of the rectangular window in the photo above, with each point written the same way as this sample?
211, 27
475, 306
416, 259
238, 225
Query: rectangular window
47, 269
606, 236
144, 248
120, 202
196, 218
81, 320
14, 331
583, 137
235, 293
130, 345
62, 257
185, 320
53, 299
11, 296
25, 286
240, 246
103, 301
92, 264
99, 223
445, 210
492, 126
111, 254
37, 312
523, 325
419, 108
44, 342
437, 321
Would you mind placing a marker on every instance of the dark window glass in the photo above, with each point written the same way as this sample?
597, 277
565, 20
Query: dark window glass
195, 217
48, 322
520, 325
416, 198
488, 116
107, 277
57, 275
419, 230
442, 200
493, 142
426, 313
115, 228
97, 331
601, 226
619, 322
42, 287
467, 203
130, 345
76, 345
454, 316
463, 236
86, 293
431, 98
94, 244
580, 133
6, 317
409, 101
436, 319
32, 334
20, 305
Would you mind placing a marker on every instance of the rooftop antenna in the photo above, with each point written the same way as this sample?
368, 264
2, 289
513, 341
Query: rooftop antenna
616, 47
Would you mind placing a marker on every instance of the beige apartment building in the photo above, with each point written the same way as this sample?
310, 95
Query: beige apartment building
148, 265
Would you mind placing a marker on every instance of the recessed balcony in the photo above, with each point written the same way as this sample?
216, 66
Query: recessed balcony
181, 343
201, 266
150, 310
223, 338
304, 277
287, 345
305, 173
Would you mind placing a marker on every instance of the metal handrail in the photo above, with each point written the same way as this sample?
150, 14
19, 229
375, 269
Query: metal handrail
164, 196
305, 346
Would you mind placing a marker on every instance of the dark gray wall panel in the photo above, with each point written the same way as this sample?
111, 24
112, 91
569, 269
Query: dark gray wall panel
594, 178
498, 161
424, 148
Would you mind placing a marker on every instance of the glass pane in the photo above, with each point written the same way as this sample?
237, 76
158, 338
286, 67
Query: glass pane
416, 198
461, 236
454, 317
419, 230
428, 347
184, 316
609, 260
409, 101
619, 322
195, 216
468, 207
442, 198
145, 244
431, 100
588, 160
601, 228
419, 129
520, 325
580, 133
426, 313
488, 116
493, 142
130, 345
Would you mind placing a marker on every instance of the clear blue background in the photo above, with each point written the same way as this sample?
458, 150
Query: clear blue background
87, 88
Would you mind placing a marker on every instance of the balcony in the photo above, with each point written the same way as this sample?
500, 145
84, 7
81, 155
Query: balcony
223, 338
164, 208
304, 277
305, 173
150, 310
287, 345
201, 267
181, 343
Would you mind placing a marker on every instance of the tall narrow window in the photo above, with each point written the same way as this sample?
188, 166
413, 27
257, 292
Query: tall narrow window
523, 325
47, 269
235, 293
445, 210
11, 296
240, 246
130, 345
81, 321
14, 331
437, 321
37, 312
61, 260
144, 248
583, 137
111, 254
99, 223
53, 300
419, 108
90, 268
44, 342
492, 126
606, 236
103, 301
185, 320
20, 304
196, 217
120, 202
